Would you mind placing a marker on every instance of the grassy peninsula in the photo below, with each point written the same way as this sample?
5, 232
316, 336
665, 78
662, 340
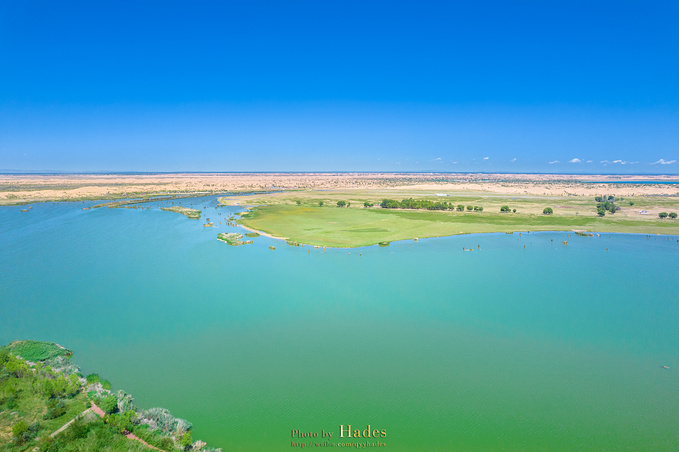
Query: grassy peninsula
47, 405
352, 218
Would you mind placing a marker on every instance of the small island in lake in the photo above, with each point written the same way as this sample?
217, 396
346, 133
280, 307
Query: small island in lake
194, 214
232, 238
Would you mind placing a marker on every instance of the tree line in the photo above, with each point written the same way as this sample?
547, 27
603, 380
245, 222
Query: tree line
411, 203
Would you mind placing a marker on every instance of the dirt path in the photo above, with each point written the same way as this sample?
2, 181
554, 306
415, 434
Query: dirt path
98, 410
129, 435
136, 438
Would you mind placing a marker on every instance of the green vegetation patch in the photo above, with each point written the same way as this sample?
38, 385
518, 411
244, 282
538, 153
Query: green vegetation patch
194, 214
352, 227
252, 234
36, 351
36, 401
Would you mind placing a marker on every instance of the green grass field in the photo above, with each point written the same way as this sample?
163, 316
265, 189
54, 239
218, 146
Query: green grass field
298, 217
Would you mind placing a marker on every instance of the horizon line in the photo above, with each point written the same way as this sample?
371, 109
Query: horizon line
10, 172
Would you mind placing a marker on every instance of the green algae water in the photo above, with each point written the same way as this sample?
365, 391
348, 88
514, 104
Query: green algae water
521, 344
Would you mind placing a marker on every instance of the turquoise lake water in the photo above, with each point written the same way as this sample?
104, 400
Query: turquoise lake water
547, 347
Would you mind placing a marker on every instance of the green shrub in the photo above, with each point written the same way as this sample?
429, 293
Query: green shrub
55, 408
109, 404
23, 432
92, 378
185, 440
16, 367
19, 429
4, 355
548, 211
121, 422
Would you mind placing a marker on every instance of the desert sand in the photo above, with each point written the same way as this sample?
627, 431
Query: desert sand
21, 189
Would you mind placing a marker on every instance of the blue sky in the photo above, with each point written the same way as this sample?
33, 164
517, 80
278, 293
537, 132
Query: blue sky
587, 87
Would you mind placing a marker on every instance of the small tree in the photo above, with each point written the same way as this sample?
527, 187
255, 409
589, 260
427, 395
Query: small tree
367, 204
470, 208
505, 209
320, 203
299, 203
548, 211
662, 215
514, 210
601, 212
673, 215
460, 208
341, 203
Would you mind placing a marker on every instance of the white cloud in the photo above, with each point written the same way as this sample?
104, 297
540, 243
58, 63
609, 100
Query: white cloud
553, 162
622, 162
486, 158
575, 160
436, 159
453, 162
633, 163
605, 162
513, 160
664, 162
589, 161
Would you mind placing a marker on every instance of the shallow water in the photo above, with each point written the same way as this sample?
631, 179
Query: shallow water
504, 347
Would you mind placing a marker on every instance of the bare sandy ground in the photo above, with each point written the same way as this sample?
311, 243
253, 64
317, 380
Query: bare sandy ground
34, 188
